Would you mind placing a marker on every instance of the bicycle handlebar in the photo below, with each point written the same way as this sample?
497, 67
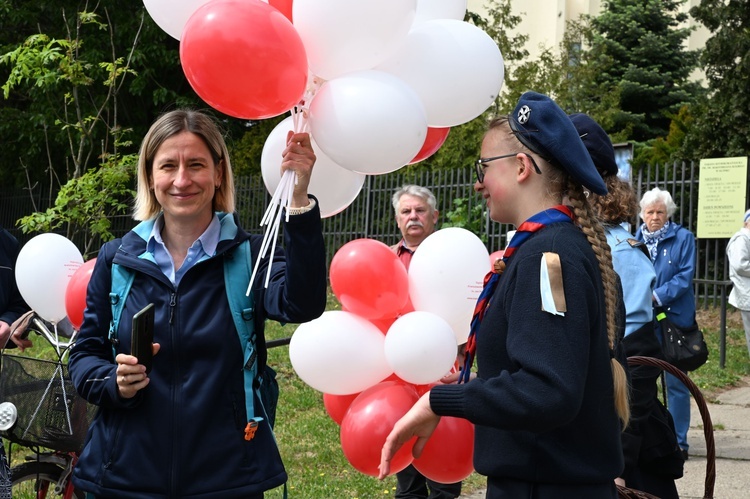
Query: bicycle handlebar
54, 338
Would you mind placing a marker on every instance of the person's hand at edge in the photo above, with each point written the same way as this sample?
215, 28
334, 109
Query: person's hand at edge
19, 331
300, 158
4, 333
420, 421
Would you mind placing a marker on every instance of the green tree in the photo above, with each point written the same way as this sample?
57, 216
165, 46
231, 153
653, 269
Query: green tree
55, 71
721, 120
637, 50
78, 87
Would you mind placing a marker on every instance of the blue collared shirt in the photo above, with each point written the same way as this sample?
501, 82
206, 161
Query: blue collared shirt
203, 247
637, 275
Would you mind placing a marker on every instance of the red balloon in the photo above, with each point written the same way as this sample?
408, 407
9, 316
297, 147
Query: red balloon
448, 455
432, 142
337, 405
384, 324
496, 255
244, 58
409, 307
369, 280
75, 293
283, 6
368, 422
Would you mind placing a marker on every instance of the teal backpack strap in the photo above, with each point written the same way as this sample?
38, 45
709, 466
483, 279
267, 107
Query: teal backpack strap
122, 281
237, 272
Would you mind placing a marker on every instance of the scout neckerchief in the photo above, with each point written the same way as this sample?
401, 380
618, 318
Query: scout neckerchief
537, 222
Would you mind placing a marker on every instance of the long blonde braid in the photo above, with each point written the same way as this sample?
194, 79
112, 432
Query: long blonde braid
597, 238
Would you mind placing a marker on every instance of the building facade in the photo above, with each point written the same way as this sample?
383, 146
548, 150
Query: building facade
545, 20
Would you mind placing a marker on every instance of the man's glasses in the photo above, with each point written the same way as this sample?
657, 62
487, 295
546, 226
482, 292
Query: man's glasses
479, 164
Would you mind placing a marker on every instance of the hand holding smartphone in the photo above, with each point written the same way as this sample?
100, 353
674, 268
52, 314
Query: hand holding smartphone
142, 337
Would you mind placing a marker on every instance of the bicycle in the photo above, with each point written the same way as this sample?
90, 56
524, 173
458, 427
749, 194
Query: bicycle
41, 411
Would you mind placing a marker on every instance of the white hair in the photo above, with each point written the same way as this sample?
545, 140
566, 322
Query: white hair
416, 191
657, 195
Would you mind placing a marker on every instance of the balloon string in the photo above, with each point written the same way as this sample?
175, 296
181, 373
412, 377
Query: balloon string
272, 219
284, 192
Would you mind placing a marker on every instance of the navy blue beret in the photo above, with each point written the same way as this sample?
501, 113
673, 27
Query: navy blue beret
597, 142
545, 129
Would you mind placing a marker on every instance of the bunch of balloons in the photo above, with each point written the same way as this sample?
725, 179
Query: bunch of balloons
396, 335
381, 82
53, 278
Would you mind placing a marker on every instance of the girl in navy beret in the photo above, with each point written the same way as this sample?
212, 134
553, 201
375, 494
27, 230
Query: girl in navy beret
548, 399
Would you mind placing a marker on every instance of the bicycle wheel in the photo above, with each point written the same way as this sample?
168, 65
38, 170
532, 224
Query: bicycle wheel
34, 480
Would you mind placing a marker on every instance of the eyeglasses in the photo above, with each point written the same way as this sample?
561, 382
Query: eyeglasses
479, 164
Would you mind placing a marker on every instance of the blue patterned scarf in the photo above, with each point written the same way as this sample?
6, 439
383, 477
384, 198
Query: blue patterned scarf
652, 238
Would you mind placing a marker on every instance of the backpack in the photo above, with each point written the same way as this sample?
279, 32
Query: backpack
261, 382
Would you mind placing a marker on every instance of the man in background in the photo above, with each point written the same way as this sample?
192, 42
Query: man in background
416, 216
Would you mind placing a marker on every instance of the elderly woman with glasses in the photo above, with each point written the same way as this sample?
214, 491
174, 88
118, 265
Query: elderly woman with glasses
672, 251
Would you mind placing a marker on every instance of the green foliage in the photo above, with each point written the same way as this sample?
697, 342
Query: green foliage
499, 24
637, 48
246, 151
711, 377
722, 128
667, 149
72, 74
87, 203
467, 215
71, 95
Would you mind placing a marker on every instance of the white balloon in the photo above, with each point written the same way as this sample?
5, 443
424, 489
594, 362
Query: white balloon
420, 347
427, 10
446, 275
334, 186
341, 36
44, 267
455, 68
369, 122
171, 16
339, 353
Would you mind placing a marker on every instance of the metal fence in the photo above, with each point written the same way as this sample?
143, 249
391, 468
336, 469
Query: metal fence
371, 214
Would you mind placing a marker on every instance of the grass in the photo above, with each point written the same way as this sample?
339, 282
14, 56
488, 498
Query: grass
309, 439
711, 378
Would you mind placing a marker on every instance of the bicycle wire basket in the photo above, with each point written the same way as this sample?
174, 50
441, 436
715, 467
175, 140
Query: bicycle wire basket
50, 412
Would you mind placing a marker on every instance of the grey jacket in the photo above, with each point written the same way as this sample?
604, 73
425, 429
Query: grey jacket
738, 252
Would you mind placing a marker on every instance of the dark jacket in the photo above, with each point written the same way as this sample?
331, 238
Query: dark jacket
12, 305
543, 399
649, 442
182, 436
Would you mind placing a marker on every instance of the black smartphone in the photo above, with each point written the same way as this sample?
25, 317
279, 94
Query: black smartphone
142, 339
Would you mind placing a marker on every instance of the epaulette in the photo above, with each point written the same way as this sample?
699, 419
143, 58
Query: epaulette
635, 243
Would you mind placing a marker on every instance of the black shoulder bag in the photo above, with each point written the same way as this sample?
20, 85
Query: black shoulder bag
684, 348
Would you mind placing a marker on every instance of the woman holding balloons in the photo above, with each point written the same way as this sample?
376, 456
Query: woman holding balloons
181, 430
548, 400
